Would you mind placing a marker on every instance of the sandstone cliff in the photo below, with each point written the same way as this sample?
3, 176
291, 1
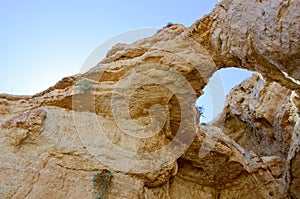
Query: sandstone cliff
128, 128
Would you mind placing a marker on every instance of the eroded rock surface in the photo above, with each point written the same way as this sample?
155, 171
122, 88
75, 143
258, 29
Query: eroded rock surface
133, 115
257, 35
261, 118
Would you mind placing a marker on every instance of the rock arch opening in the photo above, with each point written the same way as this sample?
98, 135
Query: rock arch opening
212, 102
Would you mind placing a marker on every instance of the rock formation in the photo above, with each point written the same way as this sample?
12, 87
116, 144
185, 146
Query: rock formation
128, 128
257, 35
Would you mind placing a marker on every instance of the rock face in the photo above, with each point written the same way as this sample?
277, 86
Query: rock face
260, 117
257, 35
128, 128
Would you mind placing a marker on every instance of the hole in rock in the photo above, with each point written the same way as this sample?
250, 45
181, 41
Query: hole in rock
212, 102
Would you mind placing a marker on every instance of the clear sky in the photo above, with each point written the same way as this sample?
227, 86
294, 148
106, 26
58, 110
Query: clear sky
42, 41
45, 40
219, 85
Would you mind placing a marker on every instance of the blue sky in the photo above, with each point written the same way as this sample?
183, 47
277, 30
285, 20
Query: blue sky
216, 90
43, 41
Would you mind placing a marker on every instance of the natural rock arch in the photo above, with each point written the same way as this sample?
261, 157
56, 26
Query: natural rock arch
39, 135
260, 35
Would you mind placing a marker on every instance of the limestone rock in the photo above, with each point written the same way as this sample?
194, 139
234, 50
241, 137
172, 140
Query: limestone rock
24, 126
257, 35
133, 116
261, 118
260, 111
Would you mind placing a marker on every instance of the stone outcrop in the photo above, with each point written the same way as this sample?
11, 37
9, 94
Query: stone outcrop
257, 35
261, 117
132, 121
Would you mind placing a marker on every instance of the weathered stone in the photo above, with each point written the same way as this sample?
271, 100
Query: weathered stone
257, 35
133, 116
